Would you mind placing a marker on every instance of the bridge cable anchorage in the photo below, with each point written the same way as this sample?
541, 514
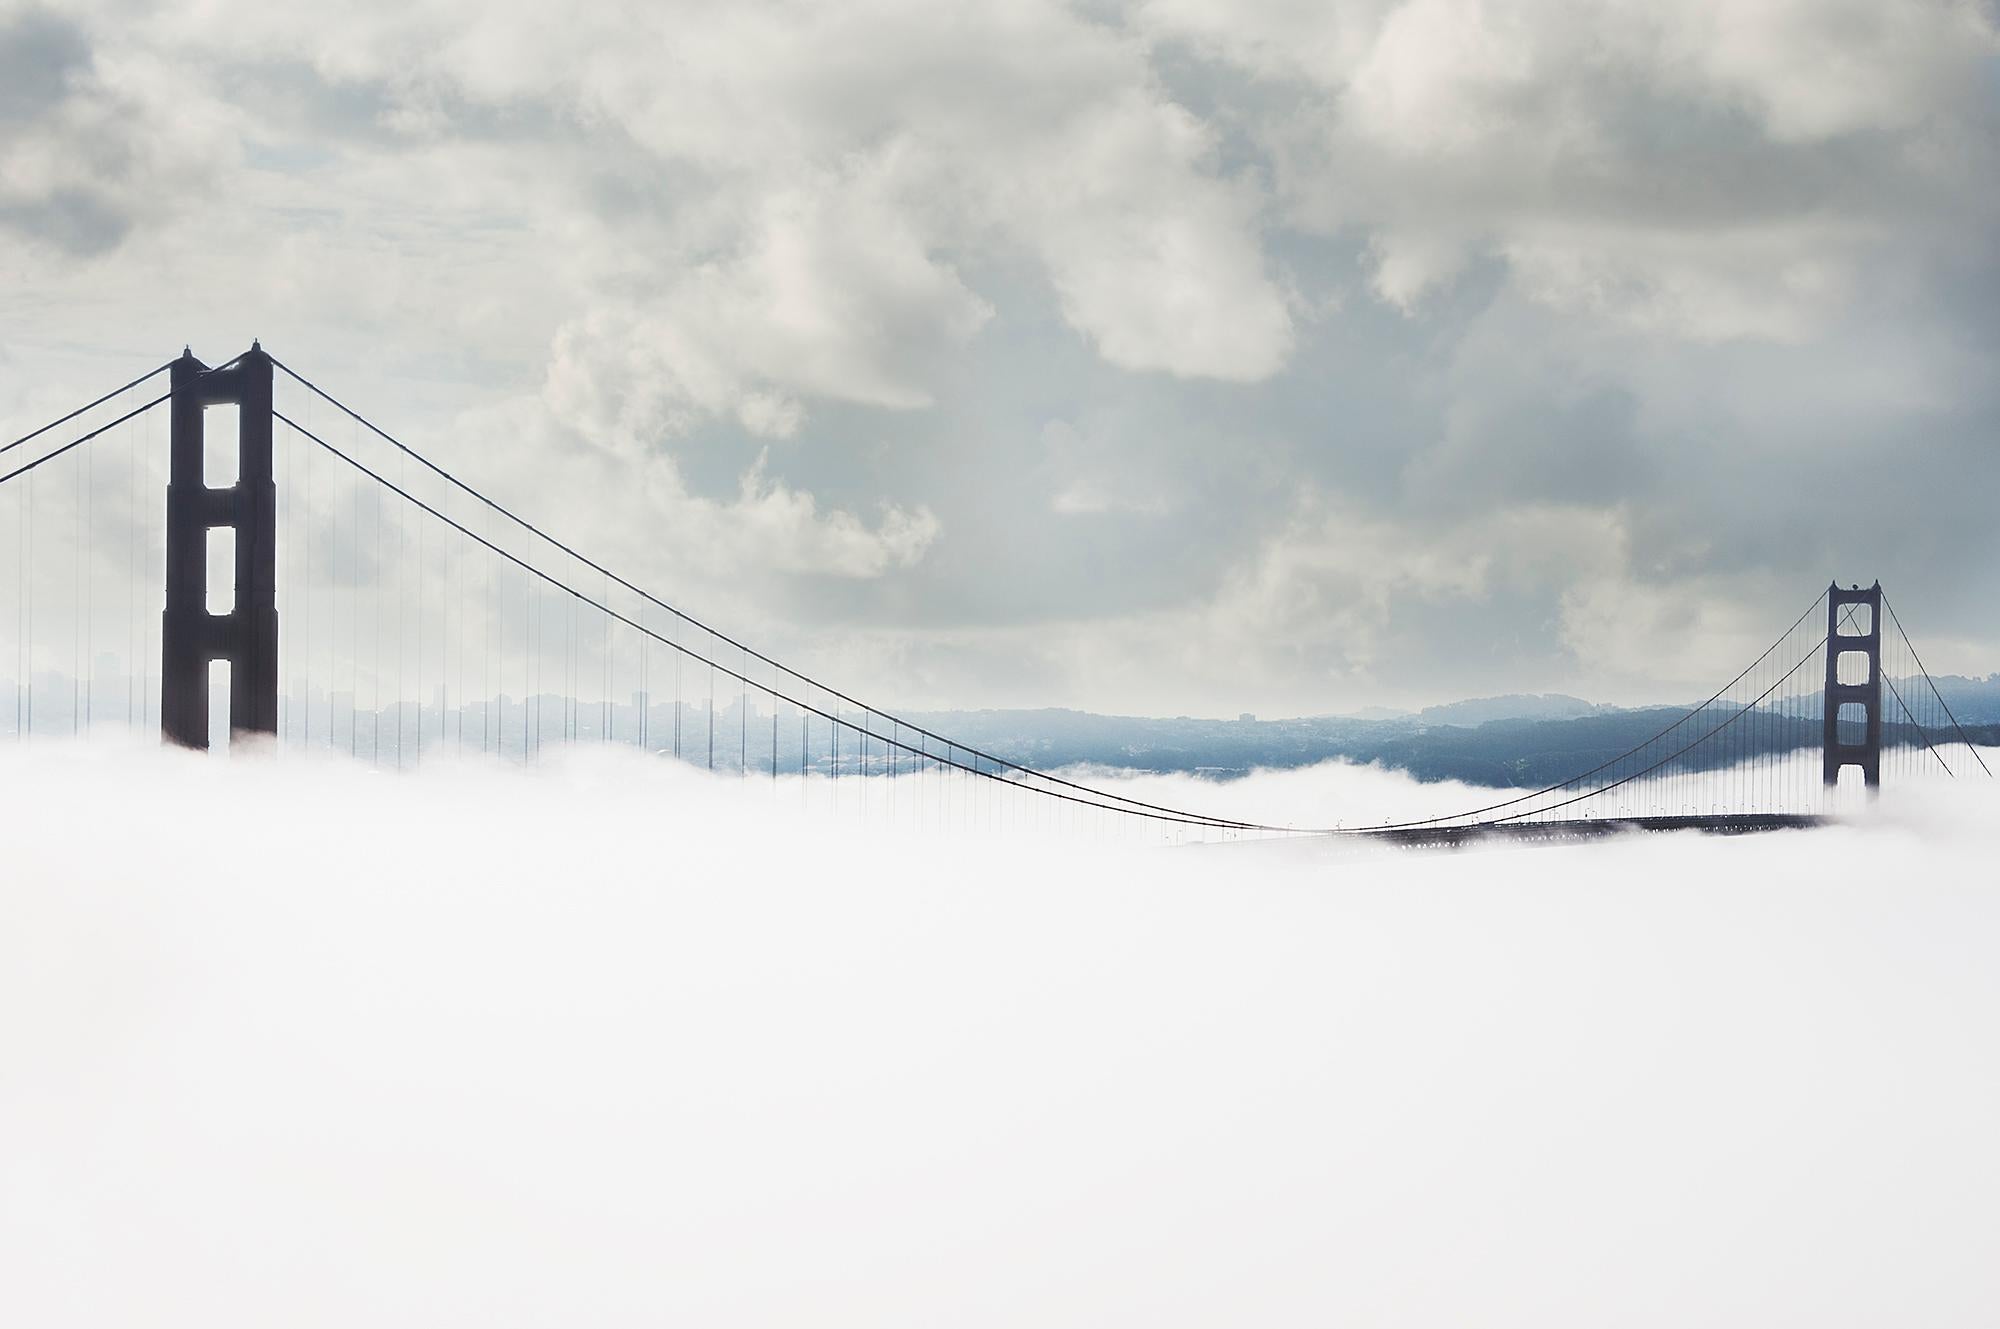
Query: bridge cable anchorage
835, 722
1607, 765
1027, 773
1911, 647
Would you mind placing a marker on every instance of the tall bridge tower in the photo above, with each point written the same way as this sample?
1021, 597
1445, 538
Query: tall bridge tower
1853, 683
247, 635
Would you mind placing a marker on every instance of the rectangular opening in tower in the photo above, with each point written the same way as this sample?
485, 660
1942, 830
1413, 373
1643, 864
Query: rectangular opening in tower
221, 569
1851, 724
218, 705
1851, 668
221, 446
1856, 620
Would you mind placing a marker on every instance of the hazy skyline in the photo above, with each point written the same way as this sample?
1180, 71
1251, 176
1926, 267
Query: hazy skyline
1172, 357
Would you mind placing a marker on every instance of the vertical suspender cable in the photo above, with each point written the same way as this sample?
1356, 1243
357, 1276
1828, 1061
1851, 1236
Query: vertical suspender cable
423, 581
28, 635
22, 669
132, 572
353, 615
604, 645
375, 635
77, 666
402, 598
1942, 704
89, 584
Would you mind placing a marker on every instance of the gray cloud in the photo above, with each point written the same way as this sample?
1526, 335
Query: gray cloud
77, 221
1332, 345
42, 60
38, 54
86, 149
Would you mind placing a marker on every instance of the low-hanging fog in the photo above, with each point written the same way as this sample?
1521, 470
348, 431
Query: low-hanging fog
615, 1043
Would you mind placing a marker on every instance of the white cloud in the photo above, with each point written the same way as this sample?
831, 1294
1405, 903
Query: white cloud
1094, 471
1159, 265
1819, 69
828, 296
629, 506
794, 537
1779, 284
1694, 630
1695, 170
808, 175
1311, 620
1409, 264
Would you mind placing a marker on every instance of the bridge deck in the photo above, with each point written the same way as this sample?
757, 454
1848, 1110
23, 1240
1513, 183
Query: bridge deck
1541, 832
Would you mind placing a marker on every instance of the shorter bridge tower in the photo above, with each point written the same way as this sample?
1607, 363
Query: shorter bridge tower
1855, 656
247, 636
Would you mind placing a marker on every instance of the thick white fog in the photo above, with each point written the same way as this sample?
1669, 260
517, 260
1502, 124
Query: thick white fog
287, 1042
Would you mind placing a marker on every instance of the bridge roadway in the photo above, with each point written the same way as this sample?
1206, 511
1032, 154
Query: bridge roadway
1539, 832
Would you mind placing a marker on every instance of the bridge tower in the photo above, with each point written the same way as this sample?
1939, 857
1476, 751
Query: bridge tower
1857, 657
247, 636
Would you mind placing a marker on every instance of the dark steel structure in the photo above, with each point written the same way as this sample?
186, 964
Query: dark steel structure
247, 635
1863, 650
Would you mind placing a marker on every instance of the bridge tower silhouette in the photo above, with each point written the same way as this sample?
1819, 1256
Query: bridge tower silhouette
191, 637
1857, 741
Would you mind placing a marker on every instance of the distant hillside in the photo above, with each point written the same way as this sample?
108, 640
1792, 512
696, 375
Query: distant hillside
1552, 706
1972, 700
1511, 750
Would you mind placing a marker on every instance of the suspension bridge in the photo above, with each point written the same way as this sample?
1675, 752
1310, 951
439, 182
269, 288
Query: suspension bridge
310, 581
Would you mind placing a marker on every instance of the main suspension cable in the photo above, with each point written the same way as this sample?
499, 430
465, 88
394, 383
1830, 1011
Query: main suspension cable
1604, 766
1916, 724
79, 442
90, 407
1934, 687
580, 597
1674, 756
1027, 772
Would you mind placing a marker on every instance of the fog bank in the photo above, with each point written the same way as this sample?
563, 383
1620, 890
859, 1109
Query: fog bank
614, 1043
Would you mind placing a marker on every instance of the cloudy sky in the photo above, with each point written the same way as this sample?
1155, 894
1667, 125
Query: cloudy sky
1183, 356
